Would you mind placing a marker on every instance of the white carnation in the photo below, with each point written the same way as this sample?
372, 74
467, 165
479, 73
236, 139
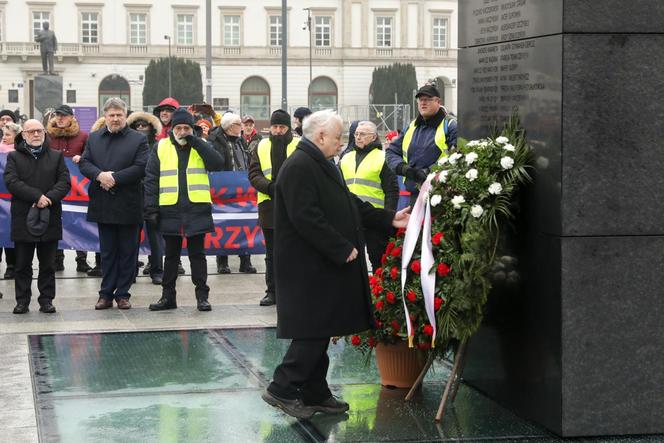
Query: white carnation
483, 145
471, 157
476, 211
436, 199
507, 162
454, 158
509, 147
431, 176
495, 188
442, 177
473, 143
502, 140
442, 161
457, 200
471, 174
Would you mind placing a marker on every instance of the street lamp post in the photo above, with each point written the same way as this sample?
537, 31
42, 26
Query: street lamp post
308, 26
170, 76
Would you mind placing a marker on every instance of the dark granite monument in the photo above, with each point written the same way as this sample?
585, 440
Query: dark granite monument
577, 344
48, 93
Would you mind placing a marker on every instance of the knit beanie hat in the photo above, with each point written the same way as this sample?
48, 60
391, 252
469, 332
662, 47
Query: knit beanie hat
182, 117
280, 117
9, 113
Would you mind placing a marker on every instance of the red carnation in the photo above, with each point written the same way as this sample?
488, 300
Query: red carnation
442, 269
437, 303
415, 266
428, 330
401, 232
390, 297
372, 281
389, 247
379, 305
396, 252
378, 289
395, 326
356, 340
437, 238
378, 273
412, 296
383, 259
372, 342
394, 272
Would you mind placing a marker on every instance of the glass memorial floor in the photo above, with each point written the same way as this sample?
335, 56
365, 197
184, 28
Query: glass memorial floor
205, 385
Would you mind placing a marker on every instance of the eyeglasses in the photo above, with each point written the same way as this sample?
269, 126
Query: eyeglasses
364, 134
142, 125
34, 131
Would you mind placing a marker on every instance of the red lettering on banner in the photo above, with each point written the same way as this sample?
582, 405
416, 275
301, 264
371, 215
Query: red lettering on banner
212, 239
251, 235
217, 195
235, 232
78, 192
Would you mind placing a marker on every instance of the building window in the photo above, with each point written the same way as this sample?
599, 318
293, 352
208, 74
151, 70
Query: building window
275, 30
71, 95
232, 30
185, 30
89, 27
138, 28
12, 95
440, 32
38, 20
322, 94
255, 98
323, 31
220, 103
383, 32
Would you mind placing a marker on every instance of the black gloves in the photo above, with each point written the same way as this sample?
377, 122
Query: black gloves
417, 175
194, 141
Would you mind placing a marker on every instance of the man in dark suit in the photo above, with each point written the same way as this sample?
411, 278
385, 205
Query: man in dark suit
114, 160
321, 276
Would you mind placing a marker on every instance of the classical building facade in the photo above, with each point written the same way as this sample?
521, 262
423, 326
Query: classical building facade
104, 48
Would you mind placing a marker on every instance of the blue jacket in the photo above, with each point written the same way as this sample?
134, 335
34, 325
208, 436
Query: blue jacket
126, 154
423, 152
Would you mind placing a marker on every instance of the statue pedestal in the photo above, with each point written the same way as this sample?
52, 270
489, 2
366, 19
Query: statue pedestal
47, 93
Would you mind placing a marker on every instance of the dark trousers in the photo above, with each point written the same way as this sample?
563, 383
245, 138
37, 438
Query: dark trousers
25, 251
376, 243
303, 371
268, 234
118, 245
10, 256
156, 257
197, 260
81, 256
47, 61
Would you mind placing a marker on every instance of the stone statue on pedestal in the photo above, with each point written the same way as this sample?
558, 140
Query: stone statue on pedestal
48, 45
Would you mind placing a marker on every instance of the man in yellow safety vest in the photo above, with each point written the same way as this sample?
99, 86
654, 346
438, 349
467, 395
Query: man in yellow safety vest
367, 175
264, 166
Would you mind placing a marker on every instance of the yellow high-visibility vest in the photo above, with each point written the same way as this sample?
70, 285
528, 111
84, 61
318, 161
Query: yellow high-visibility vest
265, 160
439, 138
198, 182
365, 180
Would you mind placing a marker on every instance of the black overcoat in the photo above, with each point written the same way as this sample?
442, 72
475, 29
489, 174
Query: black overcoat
318, 222
126, 154
28, 178
185, 217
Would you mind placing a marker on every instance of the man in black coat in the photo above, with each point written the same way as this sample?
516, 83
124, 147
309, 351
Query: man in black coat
321, 276
114, 160
38, 180
178, 203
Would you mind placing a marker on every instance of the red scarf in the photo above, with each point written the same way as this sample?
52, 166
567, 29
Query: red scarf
250, 136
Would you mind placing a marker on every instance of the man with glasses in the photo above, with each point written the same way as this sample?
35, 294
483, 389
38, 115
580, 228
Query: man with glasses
38, 180
431, 136
368, 176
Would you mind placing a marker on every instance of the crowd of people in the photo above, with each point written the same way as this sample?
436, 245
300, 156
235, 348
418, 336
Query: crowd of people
320, 203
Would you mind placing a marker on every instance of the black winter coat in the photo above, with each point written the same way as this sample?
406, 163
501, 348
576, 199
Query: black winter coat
234, 150
28, 178
184, 217
125, 153
318, 222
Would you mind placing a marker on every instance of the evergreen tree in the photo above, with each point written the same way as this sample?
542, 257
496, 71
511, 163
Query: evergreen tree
187, 83
397, 78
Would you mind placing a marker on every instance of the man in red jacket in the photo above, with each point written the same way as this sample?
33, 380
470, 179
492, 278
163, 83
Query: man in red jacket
164, 112
65, 135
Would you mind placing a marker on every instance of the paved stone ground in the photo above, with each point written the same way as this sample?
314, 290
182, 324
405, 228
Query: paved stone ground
234, 300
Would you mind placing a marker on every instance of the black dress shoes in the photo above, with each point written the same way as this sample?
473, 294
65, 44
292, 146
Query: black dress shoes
203, 305
156, 279
47, 308
268, 300
163, 304
21, 309
294, 408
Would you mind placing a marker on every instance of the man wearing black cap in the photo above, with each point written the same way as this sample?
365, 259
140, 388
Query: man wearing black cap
179, 204
298, 116
38, 180
428, 138
266, 160
65, 135
114, 160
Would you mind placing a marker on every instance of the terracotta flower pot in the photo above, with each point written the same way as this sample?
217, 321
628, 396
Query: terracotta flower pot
398, 365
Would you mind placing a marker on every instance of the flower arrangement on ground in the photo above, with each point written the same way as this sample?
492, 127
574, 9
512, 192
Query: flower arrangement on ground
433, 283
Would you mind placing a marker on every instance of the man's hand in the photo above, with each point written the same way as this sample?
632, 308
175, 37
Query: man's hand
76, 159
401, 218
421, 175
106, 180
352, 256
44, 202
